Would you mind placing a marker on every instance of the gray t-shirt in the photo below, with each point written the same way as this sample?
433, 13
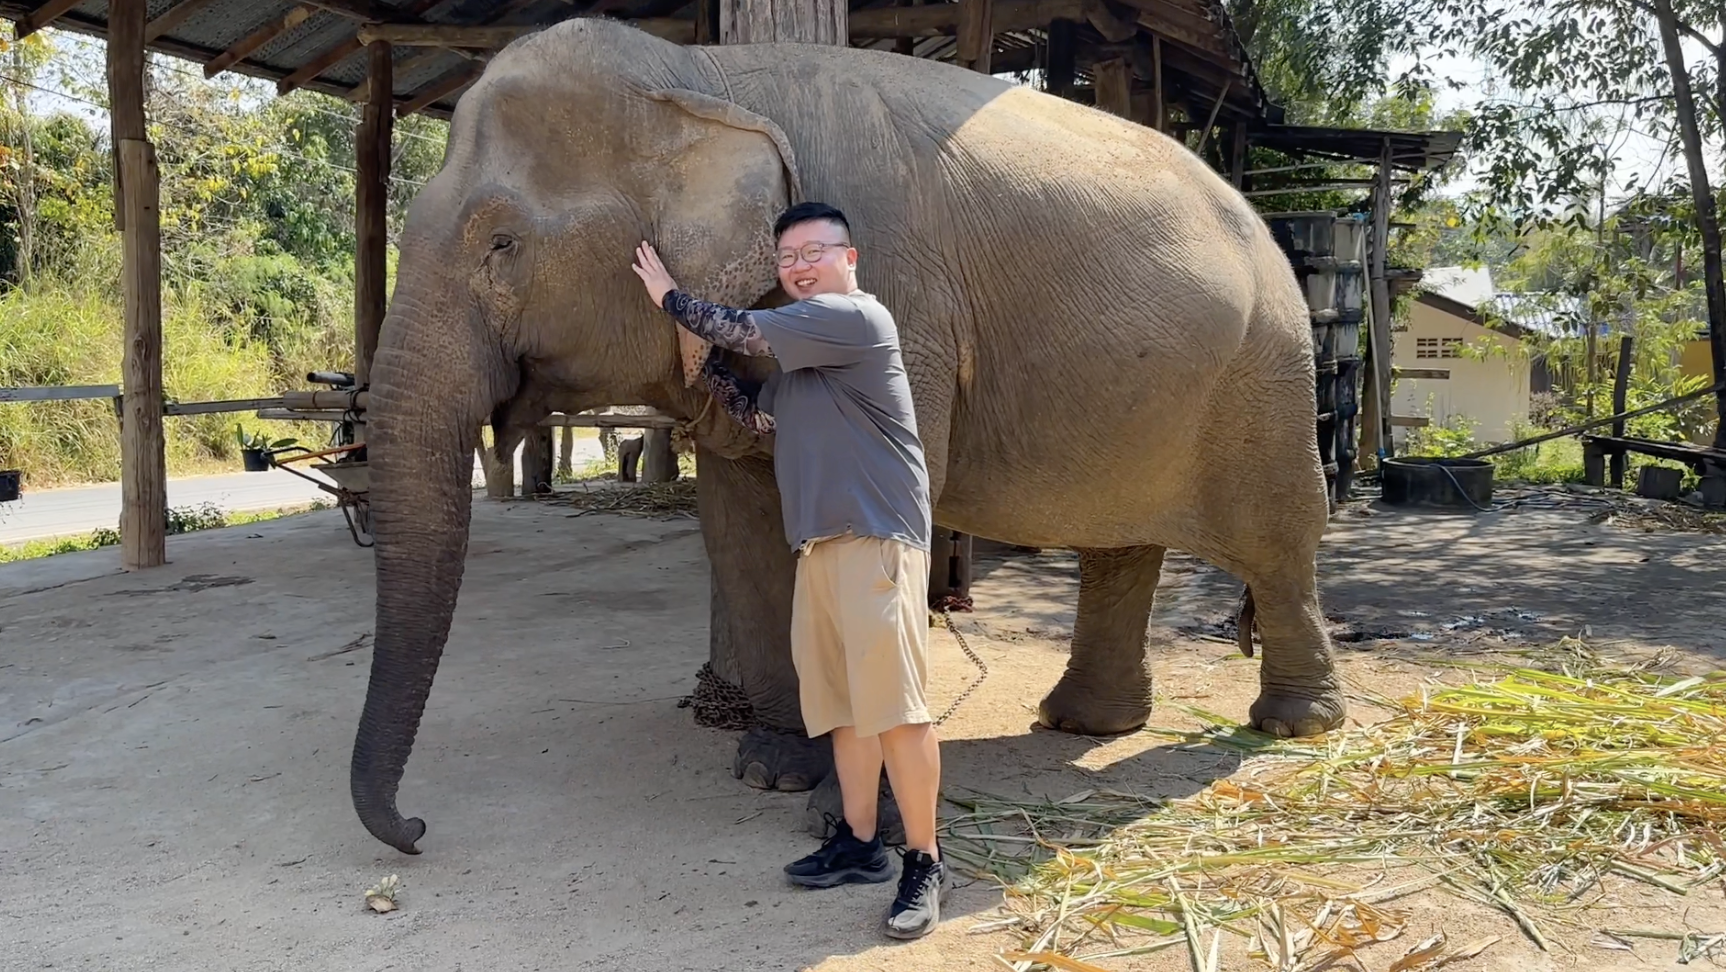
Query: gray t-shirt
846, 452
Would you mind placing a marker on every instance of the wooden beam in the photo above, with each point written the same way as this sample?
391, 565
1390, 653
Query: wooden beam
942, 19
318, 65
363, 10
1114, 27
1434, 374
341, 52
58, 393
362, 91
495, 36
438, 90
1114, 87
143, 457
976, 35
258, 38
1162, 17
444, 35
1409, 422
176, 15
41, 17
372, 189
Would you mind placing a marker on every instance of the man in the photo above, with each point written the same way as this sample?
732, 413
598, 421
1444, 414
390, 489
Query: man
855, 492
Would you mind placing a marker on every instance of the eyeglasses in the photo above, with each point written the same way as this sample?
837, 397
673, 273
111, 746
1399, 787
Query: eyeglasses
810, 252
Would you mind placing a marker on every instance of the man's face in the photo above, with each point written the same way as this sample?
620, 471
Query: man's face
821, 260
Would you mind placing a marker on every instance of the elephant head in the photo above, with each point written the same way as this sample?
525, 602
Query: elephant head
515, 296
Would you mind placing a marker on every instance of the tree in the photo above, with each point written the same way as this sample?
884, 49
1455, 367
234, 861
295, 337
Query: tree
1574, 65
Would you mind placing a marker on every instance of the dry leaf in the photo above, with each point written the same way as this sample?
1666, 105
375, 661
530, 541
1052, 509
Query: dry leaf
1418, 956
1467, 952
381, 897
1053, 960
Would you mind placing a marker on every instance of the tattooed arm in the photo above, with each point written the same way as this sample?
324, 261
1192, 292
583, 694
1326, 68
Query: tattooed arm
721, 326
736, 396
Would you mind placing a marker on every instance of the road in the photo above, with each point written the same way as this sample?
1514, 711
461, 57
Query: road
80, 509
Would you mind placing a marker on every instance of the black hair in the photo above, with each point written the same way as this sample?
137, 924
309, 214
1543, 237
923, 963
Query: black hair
809, 212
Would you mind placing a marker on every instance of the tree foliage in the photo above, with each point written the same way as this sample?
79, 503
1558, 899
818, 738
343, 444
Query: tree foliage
257, 215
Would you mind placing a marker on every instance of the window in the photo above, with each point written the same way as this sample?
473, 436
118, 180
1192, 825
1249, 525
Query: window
1450, 347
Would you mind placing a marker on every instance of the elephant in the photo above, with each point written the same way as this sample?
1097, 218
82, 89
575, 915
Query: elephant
1107, 352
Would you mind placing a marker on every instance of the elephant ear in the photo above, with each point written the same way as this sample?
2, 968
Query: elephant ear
730, 177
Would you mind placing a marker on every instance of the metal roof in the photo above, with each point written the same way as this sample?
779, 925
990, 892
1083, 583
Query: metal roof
312, 43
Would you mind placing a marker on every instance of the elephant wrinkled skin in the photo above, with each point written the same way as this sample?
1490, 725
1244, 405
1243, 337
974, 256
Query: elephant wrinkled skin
1096, 327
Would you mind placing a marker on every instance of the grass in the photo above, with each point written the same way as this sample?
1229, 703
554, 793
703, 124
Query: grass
1522, 793
180, 520
54, 334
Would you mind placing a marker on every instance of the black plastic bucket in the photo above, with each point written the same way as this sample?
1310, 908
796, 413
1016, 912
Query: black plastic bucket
11, 484
1427, 482
255, 460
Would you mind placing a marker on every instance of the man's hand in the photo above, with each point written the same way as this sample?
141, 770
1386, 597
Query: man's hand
652, 273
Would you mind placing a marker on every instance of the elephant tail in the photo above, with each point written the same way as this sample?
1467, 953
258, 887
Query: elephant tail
1244, 613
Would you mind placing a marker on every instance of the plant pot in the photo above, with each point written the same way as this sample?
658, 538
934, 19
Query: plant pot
11, 484
255, 460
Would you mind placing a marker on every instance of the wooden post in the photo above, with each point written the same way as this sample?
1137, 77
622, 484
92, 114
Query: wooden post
143, 457
1159, 101
976, 34
536, 462
371, 185
1238, 156
1621, 391
1114, 86
794, 21
658, 460
1375, 410
706, 21
1059, 78
566, 453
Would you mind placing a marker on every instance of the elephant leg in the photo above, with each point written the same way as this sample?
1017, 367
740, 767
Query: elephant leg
753, 572
1106, 688
1300, 693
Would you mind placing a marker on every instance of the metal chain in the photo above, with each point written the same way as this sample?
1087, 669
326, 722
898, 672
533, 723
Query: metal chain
982, 669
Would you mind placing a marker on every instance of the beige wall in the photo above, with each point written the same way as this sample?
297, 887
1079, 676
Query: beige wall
1696, 360
1493, 391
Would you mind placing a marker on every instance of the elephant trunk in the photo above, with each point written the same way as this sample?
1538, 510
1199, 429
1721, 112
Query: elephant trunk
426, 404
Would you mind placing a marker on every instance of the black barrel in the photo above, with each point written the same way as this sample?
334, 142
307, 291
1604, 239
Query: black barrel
1425, 482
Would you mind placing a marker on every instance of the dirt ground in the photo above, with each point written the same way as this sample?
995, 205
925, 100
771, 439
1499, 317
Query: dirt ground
174, 744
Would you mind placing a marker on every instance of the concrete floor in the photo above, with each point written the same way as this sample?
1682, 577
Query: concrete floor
174, 743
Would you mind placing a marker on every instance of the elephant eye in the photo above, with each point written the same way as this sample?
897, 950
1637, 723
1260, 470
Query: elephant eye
502, 242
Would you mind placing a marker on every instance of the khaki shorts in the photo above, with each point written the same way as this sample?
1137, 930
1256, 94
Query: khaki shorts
860, 634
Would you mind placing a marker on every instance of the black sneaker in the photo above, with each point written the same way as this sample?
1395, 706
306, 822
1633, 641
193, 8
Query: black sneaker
842, 859
917, 908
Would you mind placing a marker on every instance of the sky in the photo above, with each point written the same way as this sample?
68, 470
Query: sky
1637, 153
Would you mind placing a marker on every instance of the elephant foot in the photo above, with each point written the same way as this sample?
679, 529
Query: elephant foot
1288, 716
771, 759
826, 802
1094, 708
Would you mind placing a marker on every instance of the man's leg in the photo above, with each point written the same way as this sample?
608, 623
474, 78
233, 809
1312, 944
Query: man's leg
854, 852
858, 760
884, 619
913, 758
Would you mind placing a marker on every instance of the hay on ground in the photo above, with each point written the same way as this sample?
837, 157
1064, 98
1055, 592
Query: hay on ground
1522, 793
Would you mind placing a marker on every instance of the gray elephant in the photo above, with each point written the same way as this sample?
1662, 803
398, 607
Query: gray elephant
1107, 351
